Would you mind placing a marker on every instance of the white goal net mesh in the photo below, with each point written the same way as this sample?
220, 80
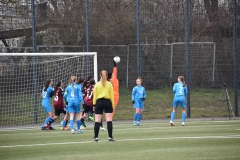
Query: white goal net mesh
23, 77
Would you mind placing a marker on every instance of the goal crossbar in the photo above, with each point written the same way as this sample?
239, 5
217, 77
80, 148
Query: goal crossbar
94, 54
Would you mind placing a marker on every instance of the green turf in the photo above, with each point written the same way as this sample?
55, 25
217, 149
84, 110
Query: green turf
158, 104
156, 139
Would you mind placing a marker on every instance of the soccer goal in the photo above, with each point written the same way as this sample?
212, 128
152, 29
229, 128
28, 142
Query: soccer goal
22, 77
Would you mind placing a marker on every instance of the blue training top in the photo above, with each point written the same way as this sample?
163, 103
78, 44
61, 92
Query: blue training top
179, 90
73, 94
138, 92
46, 95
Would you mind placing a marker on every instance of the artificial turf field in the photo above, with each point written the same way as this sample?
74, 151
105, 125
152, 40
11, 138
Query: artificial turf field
156, 139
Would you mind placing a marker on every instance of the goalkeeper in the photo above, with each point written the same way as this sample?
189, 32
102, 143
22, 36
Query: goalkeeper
114, 80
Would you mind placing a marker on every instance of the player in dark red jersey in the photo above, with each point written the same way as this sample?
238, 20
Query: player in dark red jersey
86, 85
88, 98
59, 106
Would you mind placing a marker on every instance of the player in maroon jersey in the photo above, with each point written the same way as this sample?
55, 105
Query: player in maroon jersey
59, 106
86, 85
88, 98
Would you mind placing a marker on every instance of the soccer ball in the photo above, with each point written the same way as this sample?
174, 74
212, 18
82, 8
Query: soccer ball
116, 59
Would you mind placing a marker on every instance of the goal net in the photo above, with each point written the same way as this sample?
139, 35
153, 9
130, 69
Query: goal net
23, 76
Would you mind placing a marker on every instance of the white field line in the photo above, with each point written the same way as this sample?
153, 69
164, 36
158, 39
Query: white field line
90, 128
118, 123
124, 140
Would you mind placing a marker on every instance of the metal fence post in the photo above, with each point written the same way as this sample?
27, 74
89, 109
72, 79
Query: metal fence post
138, 38
187, 59
34, 62
235, 58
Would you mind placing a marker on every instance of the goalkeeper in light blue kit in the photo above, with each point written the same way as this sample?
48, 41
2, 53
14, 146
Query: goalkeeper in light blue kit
179, 91
47, 93
138, 97
73, 95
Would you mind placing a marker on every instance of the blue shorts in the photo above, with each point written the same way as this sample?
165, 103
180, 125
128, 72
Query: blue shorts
177, 100
73, 107
139, 103
47, 107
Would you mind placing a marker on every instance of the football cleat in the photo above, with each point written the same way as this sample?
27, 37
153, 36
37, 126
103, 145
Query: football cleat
139, 124
82, 127
51, 128
80, 131
183, 123
72, 131
66, 128
102, 129
43, 128
95, 140
171, 123
111, 139
135, 123
47, 127
91, 118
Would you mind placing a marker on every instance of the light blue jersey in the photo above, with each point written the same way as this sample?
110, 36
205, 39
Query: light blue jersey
138, 96
179, 94
46, 95
73, 95
80, 86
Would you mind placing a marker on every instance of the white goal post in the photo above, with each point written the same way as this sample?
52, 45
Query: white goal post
22, 77
94, 54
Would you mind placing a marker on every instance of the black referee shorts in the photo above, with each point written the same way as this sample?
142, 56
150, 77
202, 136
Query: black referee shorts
103, 105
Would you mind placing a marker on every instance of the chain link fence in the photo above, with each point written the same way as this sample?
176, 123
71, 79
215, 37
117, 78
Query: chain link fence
62, 26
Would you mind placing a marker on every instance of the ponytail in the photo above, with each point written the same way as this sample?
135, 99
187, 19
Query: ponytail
184, 83
73, 80
183, 80
103, 75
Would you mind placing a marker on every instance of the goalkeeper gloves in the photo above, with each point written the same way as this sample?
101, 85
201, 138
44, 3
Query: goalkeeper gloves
114, 63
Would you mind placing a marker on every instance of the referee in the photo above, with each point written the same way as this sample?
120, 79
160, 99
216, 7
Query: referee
103, 100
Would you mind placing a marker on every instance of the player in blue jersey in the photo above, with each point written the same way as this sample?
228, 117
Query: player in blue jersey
73, 95
47, 93
80, 83
138, 97
58, 105
179, 91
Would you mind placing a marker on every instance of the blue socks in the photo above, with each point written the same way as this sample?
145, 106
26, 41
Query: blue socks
72, 124
63, 123
183, 117
135, 117
78, 124
172, 116
46, 121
